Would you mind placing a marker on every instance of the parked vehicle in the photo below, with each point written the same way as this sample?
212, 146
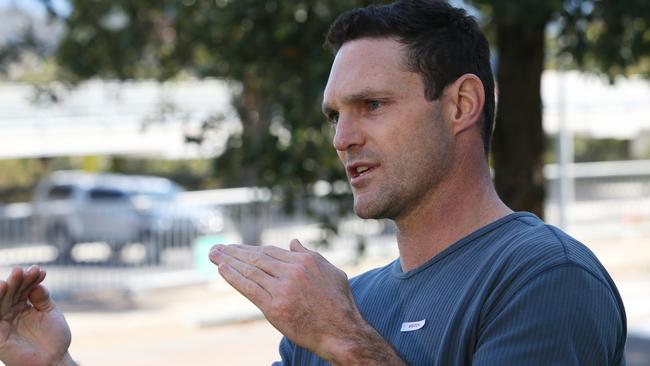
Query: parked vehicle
72, 207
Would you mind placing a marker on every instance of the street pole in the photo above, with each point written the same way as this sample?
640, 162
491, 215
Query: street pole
566, 183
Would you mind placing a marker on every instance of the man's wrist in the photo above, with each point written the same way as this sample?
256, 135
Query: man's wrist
364, 347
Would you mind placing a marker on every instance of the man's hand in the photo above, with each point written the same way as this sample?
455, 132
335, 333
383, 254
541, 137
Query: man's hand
33, 332
306, 298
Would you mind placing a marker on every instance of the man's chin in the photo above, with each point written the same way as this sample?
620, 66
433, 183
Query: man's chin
363, 214
366, 211
361, 210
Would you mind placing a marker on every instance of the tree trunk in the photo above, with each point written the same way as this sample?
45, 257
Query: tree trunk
518, 144
253, 110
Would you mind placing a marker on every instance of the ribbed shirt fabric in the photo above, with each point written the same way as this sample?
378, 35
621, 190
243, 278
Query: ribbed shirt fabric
515, 292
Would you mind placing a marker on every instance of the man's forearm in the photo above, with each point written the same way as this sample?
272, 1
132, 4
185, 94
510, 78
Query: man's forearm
366, 347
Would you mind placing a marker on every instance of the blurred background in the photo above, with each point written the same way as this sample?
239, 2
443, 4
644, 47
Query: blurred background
135, 135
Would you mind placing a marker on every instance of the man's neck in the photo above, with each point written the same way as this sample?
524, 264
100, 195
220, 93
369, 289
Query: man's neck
459, 206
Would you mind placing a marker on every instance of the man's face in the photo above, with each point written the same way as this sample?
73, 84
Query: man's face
394, 144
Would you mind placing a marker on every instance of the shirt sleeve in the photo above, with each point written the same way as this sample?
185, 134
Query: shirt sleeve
286, 349
563, 316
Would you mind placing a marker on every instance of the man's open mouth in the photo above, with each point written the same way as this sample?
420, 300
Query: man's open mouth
359, 170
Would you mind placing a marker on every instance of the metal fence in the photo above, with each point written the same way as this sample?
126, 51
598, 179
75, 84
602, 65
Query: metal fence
249, 215
604, 198
610, 198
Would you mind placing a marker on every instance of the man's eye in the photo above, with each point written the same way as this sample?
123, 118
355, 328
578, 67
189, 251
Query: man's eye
374, 104
333, 118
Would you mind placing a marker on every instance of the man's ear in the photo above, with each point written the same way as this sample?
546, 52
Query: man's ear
465, 100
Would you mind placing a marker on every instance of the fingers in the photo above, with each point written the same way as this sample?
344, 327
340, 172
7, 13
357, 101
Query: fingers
16, 289
251, 290
40, 298
271, 251
255, 256
14, 282
249, 264
269, 259
41, 276
29, 280
3, 289
287, 256
296, 246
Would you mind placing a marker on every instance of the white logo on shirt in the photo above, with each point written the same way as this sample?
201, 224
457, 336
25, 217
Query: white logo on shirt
411, 326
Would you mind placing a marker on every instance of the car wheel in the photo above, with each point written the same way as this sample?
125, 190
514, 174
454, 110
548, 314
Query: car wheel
152, 249
116, 251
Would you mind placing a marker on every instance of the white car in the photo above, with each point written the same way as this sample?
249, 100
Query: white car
73, 207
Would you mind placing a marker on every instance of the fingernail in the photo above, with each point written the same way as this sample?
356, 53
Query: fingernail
216, 249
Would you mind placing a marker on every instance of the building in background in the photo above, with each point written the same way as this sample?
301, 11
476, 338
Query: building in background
144, 118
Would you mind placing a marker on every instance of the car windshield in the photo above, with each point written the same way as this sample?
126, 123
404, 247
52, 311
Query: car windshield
155, 195
62, 191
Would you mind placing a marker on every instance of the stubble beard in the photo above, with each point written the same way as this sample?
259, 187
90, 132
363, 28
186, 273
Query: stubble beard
374, 205
395, 198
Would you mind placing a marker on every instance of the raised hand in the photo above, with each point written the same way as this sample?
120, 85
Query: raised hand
33, 332
306, 298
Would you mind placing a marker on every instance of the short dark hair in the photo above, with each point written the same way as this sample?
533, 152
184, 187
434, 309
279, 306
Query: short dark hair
443, 43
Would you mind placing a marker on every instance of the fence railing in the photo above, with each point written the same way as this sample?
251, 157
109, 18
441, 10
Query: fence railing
608, 197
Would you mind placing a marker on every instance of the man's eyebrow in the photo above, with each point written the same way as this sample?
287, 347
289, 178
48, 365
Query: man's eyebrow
364, 94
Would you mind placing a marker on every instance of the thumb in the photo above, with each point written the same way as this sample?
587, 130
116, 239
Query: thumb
296, 246
40, 298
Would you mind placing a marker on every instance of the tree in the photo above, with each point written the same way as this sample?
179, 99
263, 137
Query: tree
604, 36
26, 42
271, 50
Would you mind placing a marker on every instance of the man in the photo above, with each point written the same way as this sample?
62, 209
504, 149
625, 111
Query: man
410, 96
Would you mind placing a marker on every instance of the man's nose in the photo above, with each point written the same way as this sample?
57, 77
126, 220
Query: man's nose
348, 134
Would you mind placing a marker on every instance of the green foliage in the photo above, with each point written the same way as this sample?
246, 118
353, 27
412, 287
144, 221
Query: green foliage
271, 50
25, 46
587, 148
607, 36
507, 11
191, 174
18, 179
611, 37
20, 176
